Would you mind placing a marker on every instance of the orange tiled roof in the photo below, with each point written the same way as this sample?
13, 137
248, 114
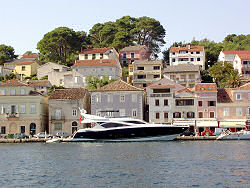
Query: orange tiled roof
94, 50
97, 62
205, 87
118, 85
163, 85
235, 51
224, 95
30, 56
26, 63
192, 49
69, 94
34, 83
244, 56
243, 87
12, 83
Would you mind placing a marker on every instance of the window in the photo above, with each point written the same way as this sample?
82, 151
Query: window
165, 115
157, 102
132, 55
141, 76
22, 91
101, 56
122, 98
200, 114
32, 108
156, 76
22, 129
74, 112
58, 126
134, 97
165, 102
226, 111
248, 111
3, 130
3, 109
22, 108
199, 103
23, 68
74, 124
211, 103
86, 56
184, 102
144, 85
190, 115
122, 112
192, 52
98, 97
140, 68
238, 111
173, 59
13, 109
110, 98
177, 115
156, 67
238, 96
3, 91
13, 91
211, 114
198, 59
191, 76
93, 56
134, 113
173, 53
124, 62
124, 55
191, 59
157, 115
76, 69
197, 52
61, 81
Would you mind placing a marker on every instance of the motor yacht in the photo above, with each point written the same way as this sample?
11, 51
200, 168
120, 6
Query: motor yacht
240, 135
123, 129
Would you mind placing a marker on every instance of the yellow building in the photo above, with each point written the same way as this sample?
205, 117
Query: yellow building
22, 110
26, 69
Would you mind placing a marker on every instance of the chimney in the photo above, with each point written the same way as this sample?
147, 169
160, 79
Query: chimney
179, 45
188, 46
98, 86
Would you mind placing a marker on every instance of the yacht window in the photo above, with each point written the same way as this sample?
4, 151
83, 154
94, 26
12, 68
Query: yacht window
135, 122
110, 125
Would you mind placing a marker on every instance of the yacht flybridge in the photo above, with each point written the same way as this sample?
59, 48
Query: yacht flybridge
123, 129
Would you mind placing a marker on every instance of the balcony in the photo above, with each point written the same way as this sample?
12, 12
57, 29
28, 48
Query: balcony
12, 115
161, 95
57, 118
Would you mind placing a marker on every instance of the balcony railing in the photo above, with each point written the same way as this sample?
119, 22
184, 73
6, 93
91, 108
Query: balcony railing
57, 118
12, 115
161, 95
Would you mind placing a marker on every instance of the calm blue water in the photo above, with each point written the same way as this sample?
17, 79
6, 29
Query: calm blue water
148, 164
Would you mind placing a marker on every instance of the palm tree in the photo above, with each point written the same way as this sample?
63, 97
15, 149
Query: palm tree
233, 79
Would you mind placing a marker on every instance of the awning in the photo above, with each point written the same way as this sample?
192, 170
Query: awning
231, 124
206, 123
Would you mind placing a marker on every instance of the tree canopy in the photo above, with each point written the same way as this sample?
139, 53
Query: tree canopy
93, 82
61, 45
6, 53
128, 31
224, 75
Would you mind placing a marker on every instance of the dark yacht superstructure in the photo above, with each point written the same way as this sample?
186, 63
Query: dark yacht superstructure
124, 129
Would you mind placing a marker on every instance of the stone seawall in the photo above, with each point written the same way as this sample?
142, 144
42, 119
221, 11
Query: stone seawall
23, 140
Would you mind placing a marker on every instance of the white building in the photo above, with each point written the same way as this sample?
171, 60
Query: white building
187, 55
229, 55
241, 63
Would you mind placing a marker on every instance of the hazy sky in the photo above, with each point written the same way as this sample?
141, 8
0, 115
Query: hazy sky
24, 22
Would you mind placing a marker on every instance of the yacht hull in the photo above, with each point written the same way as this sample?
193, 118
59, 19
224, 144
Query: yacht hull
235, 137
129, 134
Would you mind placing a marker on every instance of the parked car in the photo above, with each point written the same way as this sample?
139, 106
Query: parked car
42, 135
62, 134
187, 133
20, 136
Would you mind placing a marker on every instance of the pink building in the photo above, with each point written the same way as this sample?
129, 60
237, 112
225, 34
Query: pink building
233, 107
129, 54
206, 97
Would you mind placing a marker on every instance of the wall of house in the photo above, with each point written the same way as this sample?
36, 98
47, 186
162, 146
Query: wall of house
26, 72
57, 78
205, 109
49, 67
128, 105
24, 119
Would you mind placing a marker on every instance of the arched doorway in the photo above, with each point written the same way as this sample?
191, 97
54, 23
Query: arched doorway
13, 128
74, 127
32, 129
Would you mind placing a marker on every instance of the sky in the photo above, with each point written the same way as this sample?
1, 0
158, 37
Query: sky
23, 23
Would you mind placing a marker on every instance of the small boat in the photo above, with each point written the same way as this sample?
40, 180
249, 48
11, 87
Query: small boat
124, 129
240, 135
53, 140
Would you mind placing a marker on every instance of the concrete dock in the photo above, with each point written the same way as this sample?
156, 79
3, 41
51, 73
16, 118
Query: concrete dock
29, 140
196, 137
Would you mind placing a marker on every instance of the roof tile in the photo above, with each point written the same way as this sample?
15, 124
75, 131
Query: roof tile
69, 94
192, 49
97, 62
